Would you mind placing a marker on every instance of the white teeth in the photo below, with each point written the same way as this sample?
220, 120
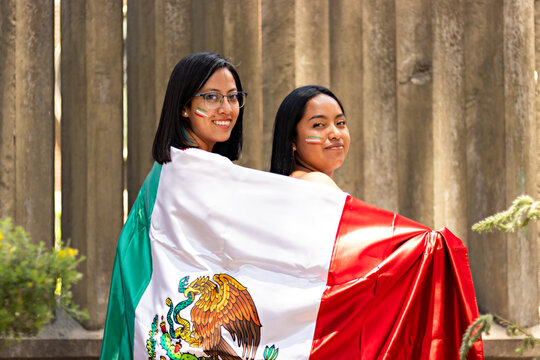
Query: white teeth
222, 123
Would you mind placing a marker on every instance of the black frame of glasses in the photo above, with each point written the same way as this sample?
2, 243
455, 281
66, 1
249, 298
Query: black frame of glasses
243, 93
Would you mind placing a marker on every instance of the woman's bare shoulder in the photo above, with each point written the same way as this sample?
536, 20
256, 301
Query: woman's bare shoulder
315, 176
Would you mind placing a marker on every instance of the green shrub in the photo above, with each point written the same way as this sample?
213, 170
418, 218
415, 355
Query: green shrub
523, 210
34, 282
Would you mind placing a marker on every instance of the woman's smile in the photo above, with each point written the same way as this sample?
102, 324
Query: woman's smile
335, 147
222, 123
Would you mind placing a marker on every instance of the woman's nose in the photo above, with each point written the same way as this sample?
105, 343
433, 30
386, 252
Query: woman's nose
334, 133
225, 106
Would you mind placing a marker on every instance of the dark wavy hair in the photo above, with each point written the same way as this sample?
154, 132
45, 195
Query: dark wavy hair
288, 115
187, 78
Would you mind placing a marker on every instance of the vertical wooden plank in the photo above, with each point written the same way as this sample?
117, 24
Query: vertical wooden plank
449, 178
380, 125
484, 113
312, 43
173, 40
34, 118
73, 91
346, 82
92, 143
142, 102
537, 106
521, 155
241, 44
414, 109
7, 109
278, 71
208, 25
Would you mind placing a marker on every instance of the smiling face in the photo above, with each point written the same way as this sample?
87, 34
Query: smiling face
322, 137
209, 126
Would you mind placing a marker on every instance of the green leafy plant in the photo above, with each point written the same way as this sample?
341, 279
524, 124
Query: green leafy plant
483, 324
473, 333
516, 217
34, 282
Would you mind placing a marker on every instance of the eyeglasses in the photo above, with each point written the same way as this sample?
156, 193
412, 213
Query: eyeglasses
213, 100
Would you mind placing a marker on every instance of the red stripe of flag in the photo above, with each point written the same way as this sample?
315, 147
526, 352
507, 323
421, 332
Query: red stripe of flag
395, 290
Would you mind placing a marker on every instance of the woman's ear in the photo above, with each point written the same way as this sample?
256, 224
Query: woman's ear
294, 146
185, 112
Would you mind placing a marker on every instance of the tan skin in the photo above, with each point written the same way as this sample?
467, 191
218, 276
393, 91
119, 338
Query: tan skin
322, 141
218, 123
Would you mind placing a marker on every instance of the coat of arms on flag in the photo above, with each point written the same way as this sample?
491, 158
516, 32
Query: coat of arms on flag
217, 261
223, 303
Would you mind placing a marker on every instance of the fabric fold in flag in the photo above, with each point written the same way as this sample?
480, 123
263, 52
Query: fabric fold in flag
225, 261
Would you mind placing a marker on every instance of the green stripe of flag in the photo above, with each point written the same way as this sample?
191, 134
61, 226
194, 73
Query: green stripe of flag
132, 272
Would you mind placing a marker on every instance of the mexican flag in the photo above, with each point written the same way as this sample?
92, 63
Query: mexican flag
218, 261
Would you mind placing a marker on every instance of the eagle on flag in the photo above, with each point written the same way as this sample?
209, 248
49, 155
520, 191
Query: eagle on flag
227, 305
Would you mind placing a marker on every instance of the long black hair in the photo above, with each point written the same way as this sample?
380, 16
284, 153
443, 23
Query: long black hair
188, 77
288, 115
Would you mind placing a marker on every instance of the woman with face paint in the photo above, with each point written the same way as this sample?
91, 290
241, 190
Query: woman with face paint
311, 138
203, 108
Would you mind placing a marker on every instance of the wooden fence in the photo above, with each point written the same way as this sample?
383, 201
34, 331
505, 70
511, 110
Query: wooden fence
440, 98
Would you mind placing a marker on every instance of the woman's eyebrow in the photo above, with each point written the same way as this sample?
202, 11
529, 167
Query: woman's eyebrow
217, 90
317, 117
324, 117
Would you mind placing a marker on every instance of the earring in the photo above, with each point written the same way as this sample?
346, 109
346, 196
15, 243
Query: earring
294, 147
185, 113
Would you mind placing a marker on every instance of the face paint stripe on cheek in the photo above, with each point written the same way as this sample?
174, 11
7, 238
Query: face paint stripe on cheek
314, 140
200, 112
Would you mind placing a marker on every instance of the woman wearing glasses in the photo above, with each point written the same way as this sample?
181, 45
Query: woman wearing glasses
202, 108
311, 138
